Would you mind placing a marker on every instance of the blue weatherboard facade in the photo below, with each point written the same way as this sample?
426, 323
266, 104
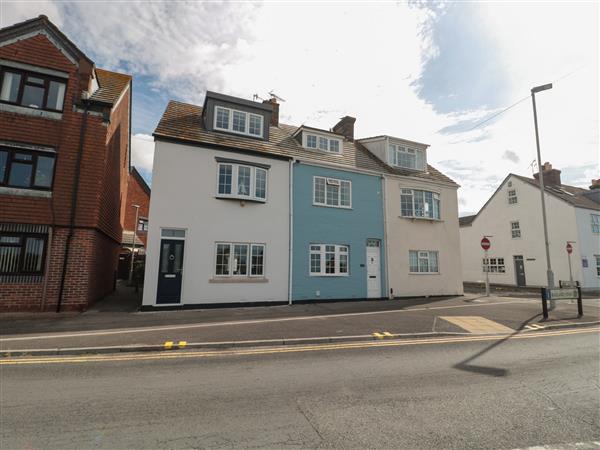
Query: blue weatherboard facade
325, 225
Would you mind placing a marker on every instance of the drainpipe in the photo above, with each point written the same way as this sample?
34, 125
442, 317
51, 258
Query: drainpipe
291, 231
74, 194
385, 239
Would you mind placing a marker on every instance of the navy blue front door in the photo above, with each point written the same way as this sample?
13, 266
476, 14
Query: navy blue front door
170, 271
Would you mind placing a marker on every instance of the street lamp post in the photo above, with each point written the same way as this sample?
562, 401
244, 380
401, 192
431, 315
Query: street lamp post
137, 210
549, 273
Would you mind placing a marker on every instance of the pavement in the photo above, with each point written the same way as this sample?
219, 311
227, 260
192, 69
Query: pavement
535, 390
106, 331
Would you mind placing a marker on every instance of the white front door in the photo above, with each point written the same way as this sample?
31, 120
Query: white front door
373, 269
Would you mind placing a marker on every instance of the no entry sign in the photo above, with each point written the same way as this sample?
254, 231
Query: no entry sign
485, 243
569, 248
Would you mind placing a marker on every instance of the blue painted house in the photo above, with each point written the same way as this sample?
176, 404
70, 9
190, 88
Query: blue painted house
338, 234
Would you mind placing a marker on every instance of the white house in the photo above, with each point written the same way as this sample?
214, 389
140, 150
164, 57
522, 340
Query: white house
217, 217
512, 218
421, 210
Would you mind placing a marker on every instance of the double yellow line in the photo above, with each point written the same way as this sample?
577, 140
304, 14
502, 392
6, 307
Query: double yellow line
290, 349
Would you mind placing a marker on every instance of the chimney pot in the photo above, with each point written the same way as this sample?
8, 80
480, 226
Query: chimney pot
595, 184
345, 127
275, 115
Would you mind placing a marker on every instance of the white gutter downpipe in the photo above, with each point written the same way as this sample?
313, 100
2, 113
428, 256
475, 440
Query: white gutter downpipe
291, 233
385, 238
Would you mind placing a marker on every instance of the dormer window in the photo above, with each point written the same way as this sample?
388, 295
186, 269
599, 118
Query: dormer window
239, 122
323, 143
405, 157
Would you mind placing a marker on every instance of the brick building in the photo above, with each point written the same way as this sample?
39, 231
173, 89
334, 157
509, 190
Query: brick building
137, 203
64, 163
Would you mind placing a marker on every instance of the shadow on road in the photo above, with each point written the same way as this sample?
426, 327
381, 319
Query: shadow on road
491, 371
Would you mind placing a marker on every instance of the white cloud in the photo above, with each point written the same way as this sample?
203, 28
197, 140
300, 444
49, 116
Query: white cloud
142, 152
328, 60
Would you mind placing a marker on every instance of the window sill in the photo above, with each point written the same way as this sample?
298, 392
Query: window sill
240, 199
334, 207
426, 219
25, 192
238, 280
424, 273
4, 107
331, 275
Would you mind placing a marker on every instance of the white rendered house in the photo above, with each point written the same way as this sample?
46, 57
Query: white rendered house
512, 218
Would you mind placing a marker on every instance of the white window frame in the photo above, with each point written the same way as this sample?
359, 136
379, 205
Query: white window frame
318, 137
513, 198
231, 265
435, 196
515, 231
424, 254
597, 259
335, 182
493, 265
234, 182
595, 223
420, 156
339, 249
230, 129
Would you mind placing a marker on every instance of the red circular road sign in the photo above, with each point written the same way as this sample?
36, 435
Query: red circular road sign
485, 243
569, 248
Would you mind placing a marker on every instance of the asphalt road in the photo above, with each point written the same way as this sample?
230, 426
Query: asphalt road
517, 393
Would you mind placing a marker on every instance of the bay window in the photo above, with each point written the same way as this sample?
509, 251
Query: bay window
329, 260
239, 259
241, 181
332, 192
417, 203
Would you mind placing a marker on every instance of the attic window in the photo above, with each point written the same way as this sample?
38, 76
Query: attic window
407, 158
239, 122
323, 143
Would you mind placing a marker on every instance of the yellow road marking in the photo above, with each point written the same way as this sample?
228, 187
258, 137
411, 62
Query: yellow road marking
168, 345
388, 334
378, 335
292, 349
477, 325
182, 344
534, 326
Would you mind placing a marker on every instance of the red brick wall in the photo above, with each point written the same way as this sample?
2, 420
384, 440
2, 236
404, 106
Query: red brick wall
102, 186
136, 195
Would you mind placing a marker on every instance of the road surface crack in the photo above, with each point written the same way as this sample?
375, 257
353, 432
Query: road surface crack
310, 422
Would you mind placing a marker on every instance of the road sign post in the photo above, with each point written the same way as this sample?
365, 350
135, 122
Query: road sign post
569, 251
485, 245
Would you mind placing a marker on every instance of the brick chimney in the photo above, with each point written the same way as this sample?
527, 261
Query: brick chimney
551, 176
345, 127
595, 184
275, 115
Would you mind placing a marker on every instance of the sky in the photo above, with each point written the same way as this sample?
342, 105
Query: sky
437, 73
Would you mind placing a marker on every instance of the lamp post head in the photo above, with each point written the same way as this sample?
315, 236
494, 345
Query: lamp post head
544, 87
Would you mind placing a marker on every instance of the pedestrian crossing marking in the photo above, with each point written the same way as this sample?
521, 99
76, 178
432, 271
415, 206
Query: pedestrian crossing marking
477, 324
534, 326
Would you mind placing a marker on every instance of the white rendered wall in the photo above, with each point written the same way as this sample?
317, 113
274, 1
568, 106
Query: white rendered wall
405, 234
495, 220
184, 186
588, 245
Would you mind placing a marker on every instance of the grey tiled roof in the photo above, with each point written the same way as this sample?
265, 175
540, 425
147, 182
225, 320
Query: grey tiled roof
182, 121
466, 220
573, 195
